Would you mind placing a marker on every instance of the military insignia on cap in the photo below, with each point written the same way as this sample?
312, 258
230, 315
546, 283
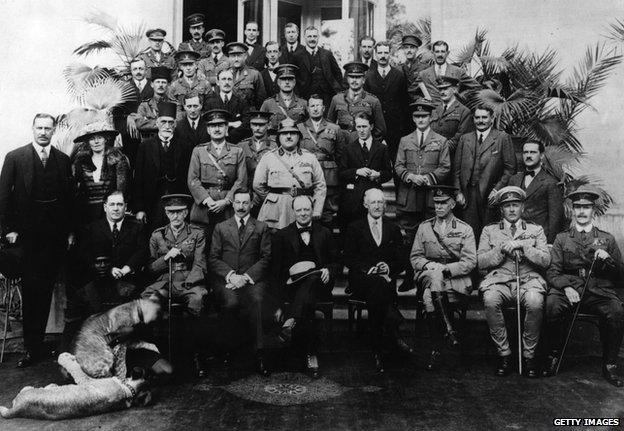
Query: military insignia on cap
286, 71
510, 194
217, 116
236, 47
177, 201
215, 34
187, 56
584, 195
156, 34
355, 68
411, 39
262, 116
195, 19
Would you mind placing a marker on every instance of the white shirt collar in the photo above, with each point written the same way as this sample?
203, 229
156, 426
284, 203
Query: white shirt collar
238, 219
372, 220
196, 121
110, 224
440, 69
222, 94
425, 134
485, 134
588, 228
508, 225
38, 148
385, 68
311, 51
299, 226
368, 142
316, 123
140, 84
537, 170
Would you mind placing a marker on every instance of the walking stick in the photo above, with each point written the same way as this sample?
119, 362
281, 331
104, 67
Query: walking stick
518, 310
169, 306
576, 312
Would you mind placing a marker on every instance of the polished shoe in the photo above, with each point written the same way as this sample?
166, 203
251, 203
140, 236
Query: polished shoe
609, 372
312, 366
200, 366
26, 361
403, 347
550, 367
433, 360
379, 363
504, 366
530, 368
261, 369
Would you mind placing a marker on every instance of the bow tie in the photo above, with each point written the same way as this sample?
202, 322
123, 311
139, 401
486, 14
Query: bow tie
529, 173
304, 229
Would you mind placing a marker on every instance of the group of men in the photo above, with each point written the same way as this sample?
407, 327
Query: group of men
241, 173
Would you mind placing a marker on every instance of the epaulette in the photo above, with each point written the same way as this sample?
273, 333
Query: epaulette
202, 144
195, 227
430, 220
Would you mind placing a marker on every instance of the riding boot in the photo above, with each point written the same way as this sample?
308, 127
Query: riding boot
442, 306
433, 324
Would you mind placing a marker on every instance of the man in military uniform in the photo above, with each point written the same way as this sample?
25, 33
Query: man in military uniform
189, 83
450, 118
247, 81
217, 61
422, 160
284, 173
196, 42
443, 256
413, 66
325, 140
255, 147
344, 106
145, 117
499, 247
154, 56
216, 171
574, 253
285, 104
180, 245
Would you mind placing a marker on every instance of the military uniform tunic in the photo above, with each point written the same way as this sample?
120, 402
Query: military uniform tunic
412, 74
147, 114
499, 284
188, 275
280, 176
253, 151
343, 109
456, 236
217, 181
181, 87
452, 122
326, 144
249, 85
296, 111
209, 69
166, 60
202, 47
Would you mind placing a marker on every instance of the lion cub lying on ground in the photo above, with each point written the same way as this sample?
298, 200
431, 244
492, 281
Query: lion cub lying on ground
87, 397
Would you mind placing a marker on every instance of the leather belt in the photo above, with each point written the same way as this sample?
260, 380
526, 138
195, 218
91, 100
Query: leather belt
294, 191
178, 266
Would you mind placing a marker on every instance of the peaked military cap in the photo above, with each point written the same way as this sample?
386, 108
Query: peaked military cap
156, 34
259, 116
510, 194
167, 109
411, 39
187, 56
286, 71
423, 106
584, 194
215, 34
288, 125
195, 19
442, 193
236, 47
177, 201
217, 116
161, 72
446, 81
355, 68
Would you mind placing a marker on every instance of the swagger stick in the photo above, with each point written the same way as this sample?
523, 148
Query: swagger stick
576, 311
518, 311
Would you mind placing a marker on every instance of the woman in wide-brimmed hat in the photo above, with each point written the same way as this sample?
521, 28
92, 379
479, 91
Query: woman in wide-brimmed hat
99, 168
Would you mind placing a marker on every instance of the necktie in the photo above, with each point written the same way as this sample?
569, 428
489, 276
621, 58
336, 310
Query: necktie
241, 229
365, 151
480, 139
44, 157
226, 99
422, 139
115, 232
194, 124
165, 145
376, 233
513, 229
292, 49
304, 229
215, 59
304, 232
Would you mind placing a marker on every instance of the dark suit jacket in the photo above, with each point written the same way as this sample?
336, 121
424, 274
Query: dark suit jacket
270, 85
353, 186
120, 113
131, 249
18, 211
151, 173
189, 137
362, 252
286, 57
257, 57
285, 251
251, 256
237, 107
332, 74
544, 202
392, 93
496, 157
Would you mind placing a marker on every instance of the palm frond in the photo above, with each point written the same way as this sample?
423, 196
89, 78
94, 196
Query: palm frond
557, 160
473, 47
423, 30
592, 73
493, 64
107, 93
128, 42
77, 75
103, 20
554, 130
616, 31
92, 47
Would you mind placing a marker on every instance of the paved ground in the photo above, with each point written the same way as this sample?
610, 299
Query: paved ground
463, 395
